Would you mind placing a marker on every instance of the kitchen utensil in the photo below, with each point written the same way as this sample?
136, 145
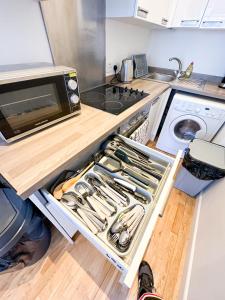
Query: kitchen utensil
132, 171
108, 191
127, 235
134, 180
121, 185
116, 145
56, 188
126, 219
84, 191
73, 180
111, 208
70, 200
116, 190
114, 238
123, 230
124, 157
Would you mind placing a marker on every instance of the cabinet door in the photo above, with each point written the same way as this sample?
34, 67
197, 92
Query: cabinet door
156, 12
214, 16
189, 13
156, 113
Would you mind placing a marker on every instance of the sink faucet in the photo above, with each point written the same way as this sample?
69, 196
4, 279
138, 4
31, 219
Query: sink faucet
179, 71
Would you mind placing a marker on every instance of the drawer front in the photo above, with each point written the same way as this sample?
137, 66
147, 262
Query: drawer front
129, 265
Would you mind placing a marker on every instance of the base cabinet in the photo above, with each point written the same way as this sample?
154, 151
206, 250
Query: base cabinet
68, 223
156, 112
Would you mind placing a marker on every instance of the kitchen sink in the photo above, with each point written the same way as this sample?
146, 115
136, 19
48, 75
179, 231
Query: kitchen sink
161, 77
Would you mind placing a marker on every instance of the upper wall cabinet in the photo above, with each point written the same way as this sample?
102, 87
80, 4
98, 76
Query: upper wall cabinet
189, 13
156, 12
214, 16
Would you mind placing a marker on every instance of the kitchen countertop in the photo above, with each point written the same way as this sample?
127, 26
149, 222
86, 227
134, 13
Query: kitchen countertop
29, 164
208, 89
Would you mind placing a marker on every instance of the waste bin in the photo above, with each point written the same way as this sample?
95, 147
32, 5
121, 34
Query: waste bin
203, 163
24, 238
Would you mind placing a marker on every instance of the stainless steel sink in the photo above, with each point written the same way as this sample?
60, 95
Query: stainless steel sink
161, 77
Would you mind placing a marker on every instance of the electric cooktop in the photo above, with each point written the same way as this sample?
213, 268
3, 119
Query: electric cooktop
111, 98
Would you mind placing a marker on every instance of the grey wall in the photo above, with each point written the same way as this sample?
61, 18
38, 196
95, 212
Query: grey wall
208, 268
22, 33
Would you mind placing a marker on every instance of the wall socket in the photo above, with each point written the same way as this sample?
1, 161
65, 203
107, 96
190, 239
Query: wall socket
109, 68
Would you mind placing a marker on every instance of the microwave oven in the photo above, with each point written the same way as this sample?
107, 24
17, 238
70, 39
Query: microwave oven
33, 99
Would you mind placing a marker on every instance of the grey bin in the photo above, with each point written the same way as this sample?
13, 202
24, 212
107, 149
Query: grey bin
203, 163
24, 238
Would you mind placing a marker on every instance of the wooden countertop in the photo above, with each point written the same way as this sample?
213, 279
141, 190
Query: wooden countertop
30, 163
208, 89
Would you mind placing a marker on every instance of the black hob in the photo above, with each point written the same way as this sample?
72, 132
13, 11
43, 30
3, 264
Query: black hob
110, 98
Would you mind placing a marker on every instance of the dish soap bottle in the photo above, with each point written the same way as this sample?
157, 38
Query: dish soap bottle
189, 70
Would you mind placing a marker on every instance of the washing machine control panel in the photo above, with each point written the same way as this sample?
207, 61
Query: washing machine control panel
204, 111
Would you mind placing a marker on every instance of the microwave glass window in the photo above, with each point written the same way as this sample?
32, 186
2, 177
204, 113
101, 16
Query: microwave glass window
30, 105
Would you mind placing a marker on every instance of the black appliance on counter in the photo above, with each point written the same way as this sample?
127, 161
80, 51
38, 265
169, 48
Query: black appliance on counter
112, 99
222, 84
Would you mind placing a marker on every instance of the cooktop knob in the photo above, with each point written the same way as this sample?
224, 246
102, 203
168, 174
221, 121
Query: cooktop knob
131, 90
126, 89
142, 93
74, 99
72, 84
136, 92
114, 90
121, 89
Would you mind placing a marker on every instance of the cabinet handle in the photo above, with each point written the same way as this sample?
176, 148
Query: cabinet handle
204, 22
143, 13
213, 24
164, 21
197, 21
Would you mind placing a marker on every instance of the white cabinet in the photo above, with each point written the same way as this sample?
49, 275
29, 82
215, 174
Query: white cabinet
189, 13
156, 112
159, 12
155, 12
214, 16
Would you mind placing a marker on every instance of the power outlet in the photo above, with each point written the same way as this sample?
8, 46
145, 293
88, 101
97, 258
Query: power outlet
109, 68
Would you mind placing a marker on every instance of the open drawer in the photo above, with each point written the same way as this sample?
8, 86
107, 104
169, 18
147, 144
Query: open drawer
68, 223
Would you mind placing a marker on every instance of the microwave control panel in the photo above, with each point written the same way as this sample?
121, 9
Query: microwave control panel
72, 87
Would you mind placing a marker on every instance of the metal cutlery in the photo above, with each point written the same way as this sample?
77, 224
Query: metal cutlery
103, 188
123, 230
121, 185
89, 217
84, 191
132, 171
125, 158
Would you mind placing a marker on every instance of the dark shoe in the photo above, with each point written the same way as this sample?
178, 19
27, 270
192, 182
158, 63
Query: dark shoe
145, 279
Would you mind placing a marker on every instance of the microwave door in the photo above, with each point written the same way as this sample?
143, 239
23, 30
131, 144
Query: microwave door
25, 106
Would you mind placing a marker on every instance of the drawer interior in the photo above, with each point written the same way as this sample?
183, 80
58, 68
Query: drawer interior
144, 204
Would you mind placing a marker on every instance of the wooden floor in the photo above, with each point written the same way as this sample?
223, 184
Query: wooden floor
79, 271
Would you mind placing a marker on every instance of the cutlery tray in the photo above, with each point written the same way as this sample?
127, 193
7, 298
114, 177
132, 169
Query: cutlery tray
150, 195
68, 222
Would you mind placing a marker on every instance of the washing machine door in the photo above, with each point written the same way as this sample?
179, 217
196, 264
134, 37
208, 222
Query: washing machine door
186, 128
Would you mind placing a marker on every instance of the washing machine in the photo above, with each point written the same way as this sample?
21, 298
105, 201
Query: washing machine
190, 117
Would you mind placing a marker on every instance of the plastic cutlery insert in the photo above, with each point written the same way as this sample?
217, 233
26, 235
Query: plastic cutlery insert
116, 197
